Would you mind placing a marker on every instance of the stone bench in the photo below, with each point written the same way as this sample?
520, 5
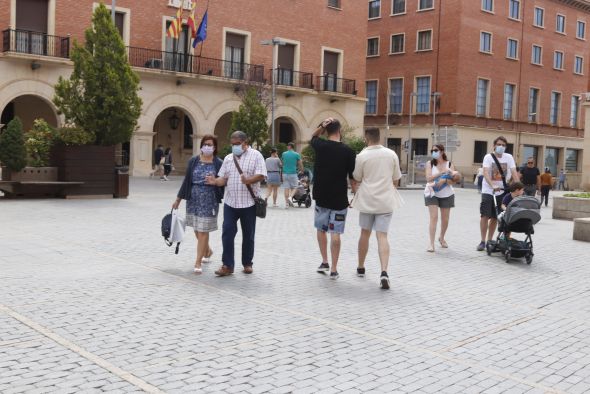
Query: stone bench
582, 229
35, 189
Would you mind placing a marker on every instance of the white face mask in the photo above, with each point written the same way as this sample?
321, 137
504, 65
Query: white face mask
500, 149
207, 150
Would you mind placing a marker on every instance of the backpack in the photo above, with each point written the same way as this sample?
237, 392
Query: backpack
172, 229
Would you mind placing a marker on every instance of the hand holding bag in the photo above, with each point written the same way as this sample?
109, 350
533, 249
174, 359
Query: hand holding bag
259, 203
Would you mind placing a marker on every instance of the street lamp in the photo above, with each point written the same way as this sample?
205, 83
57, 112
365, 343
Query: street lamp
274, 42
435, 96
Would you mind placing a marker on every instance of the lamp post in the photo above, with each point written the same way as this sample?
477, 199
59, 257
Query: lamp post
274, 42
435, 96
409, 150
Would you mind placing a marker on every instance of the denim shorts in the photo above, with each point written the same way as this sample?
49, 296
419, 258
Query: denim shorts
329, 220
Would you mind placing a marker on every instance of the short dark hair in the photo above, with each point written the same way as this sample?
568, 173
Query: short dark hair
373, 134
333, 127
291, 144
501, 138
210, 137
273, 150
516, 186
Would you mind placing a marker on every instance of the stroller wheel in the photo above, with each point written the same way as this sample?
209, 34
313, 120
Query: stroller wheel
529, 258
507, 255
299, 204
308, 202
489, 249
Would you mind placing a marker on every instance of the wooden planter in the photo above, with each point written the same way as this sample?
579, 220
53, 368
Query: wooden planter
571, 208
31, 174
93, 165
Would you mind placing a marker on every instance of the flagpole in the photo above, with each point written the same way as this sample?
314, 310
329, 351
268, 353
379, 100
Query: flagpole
203, 42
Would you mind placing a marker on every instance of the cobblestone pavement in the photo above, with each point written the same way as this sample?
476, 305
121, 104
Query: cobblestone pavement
91, 300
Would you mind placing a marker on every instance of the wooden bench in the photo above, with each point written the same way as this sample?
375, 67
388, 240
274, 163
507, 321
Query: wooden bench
36, 189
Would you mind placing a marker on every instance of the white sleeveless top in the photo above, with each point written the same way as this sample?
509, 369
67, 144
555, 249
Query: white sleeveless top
446, 191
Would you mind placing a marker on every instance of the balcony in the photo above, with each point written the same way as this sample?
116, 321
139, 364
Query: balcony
186, 63
287, 77
35, 43
330, 83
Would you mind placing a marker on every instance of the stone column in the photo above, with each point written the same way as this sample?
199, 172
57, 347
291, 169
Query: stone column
140, 160
585, 184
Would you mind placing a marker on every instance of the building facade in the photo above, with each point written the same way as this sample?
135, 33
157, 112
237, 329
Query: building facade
319, 67
465, 72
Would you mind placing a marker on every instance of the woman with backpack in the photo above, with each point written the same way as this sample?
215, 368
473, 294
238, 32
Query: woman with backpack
202, 200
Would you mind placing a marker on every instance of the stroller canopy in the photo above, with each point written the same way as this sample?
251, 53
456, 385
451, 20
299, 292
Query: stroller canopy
524, 207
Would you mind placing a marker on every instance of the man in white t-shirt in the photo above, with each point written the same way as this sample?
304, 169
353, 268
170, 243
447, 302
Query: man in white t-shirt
493, 188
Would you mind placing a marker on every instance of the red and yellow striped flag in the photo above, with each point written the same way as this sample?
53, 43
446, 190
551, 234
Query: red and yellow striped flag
192, 23
176, 25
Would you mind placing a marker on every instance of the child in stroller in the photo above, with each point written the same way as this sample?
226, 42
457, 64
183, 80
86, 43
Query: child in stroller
302, 194
520, 215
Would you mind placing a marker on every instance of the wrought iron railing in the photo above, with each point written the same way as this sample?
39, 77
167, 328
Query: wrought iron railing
330, 83
35, 43
182, 62
287, 77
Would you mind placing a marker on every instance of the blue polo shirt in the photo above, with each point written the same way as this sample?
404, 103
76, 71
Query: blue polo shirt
290, 159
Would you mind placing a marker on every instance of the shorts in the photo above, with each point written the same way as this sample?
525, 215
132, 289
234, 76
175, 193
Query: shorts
329, 220
378, 222
274, 178
487, 207
290, 181
445, 202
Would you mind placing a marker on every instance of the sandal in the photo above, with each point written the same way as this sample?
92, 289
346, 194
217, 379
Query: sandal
443, 243
207, 259
430, 249
198, 270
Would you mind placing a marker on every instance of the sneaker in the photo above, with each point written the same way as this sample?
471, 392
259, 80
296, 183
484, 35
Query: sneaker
384, 281
324, 267
481, 246
360, 272
166, 178
334, 275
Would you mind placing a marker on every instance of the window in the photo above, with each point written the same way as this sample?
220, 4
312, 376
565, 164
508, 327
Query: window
395, 144
374, 9
574, 108
424, 40
510, 148
581, 30
560, 23
396, 90
177, 56
482, 97
514, 9
533, 104
571, 160
419, 146
371, 106
512, 49
398, 7
551, 159
537, 55
425, 4
423, 92
485, 42
579, 65
334, 3
397, 43
509, 100
555, 107
539, 16
558, 60
487, 5
373, 46
235, 50
480, 149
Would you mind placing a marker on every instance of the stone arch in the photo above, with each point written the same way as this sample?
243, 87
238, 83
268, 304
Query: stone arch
326, 113
40, 90
185, 103
299, 122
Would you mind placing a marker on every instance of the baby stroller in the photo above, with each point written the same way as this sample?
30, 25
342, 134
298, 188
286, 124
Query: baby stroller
302, 194
520, 216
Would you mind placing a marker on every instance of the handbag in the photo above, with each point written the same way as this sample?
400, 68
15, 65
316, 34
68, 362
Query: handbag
259, 203
172, 228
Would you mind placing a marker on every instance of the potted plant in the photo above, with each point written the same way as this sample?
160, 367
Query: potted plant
571, 206
13, 154
100, 104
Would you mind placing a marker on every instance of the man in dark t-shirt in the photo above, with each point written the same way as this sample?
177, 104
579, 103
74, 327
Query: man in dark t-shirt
531, 177
334, 165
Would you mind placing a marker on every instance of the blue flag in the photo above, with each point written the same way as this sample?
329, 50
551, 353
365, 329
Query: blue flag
201, 31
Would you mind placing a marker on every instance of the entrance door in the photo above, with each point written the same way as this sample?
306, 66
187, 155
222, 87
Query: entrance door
286, 64
286, 133
330, 70
177, 56
235, 45
31, 26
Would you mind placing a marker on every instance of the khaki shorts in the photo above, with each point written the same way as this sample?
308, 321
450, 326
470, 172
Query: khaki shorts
377, 222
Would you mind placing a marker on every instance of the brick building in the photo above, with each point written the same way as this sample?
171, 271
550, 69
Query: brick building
188, 93
516, 68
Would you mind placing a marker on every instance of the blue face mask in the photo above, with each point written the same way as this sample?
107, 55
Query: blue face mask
500, 149
435, 155
237, 150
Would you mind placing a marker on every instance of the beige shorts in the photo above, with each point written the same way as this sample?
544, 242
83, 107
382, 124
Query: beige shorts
379, 222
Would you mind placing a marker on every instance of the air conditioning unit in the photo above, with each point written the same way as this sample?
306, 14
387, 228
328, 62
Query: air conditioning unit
153, 63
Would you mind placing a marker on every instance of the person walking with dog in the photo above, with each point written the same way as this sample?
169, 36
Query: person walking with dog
202, 199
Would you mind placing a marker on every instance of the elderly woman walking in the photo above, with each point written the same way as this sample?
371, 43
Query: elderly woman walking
202, 199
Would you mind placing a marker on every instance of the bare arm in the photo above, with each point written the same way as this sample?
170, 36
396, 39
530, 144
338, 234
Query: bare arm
248, 180
211, 180
538, 182
487, 176
515, 175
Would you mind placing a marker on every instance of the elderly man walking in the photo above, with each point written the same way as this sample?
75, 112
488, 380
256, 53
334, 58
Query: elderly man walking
376, 171
242, 168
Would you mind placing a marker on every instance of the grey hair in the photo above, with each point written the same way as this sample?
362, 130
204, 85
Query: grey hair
239, 135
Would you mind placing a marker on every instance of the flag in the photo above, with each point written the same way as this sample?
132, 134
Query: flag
202, 31
176, 25
192, 23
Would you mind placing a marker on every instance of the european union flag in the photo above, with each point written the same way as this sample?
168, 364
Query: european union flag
201, 31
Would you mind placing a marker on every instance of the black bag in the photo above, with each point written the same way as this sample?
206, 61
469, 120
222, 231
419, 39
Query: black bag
166, 229
259, 203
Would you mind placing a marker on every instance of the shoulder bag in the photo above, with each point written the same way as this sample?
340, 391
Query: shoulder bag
504, 184
259, 203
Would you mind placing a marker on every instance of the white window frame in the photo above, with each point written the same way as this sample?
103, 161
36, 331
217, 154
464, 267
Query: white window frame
533, 54
508, 46
418, 40
537, 105
127, 21
481, 50
403, 89
426, 9
576, 124
557, 24
542, 26
513, 106
376, 97
399, 13
551, 109
378, 46
340, 53
519, 11
391, 44
487, 98
576, 57
577, 30
488, 11
247, 42
555, 60
380, 10
415, 102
